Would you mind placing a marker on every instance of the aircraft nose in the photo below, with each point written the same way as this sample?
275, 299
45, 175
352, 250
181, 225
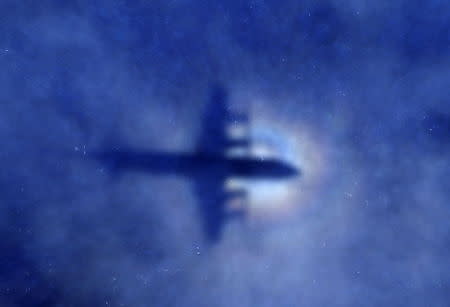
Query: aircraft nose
291, 171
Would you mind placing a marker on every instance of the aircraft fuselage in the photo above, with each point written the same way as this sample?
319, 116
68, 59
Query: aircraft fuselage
185, 164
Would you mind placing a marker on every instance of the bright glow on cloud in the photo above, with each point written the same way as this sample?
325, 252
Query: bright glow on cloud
297, 145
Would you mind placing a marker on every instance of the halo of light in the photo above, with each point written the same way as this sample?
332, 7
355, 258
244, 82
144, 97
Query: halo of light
295, 144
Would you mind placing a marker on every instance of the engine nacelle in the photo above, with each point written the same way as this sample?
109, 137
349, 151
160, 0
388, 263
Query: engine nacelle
236, 203
243, 142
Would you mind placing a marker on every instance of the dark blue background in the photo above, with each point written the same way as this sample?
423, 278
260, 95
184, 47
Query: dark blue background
369, 78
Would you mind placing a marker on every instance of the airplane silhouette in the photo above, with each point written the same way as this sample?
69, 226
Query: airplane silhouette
209, 167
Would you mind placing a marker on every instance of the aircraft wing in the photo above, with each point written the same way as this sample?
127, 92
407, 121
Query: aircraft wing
214, 137
215, 204
211, 205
